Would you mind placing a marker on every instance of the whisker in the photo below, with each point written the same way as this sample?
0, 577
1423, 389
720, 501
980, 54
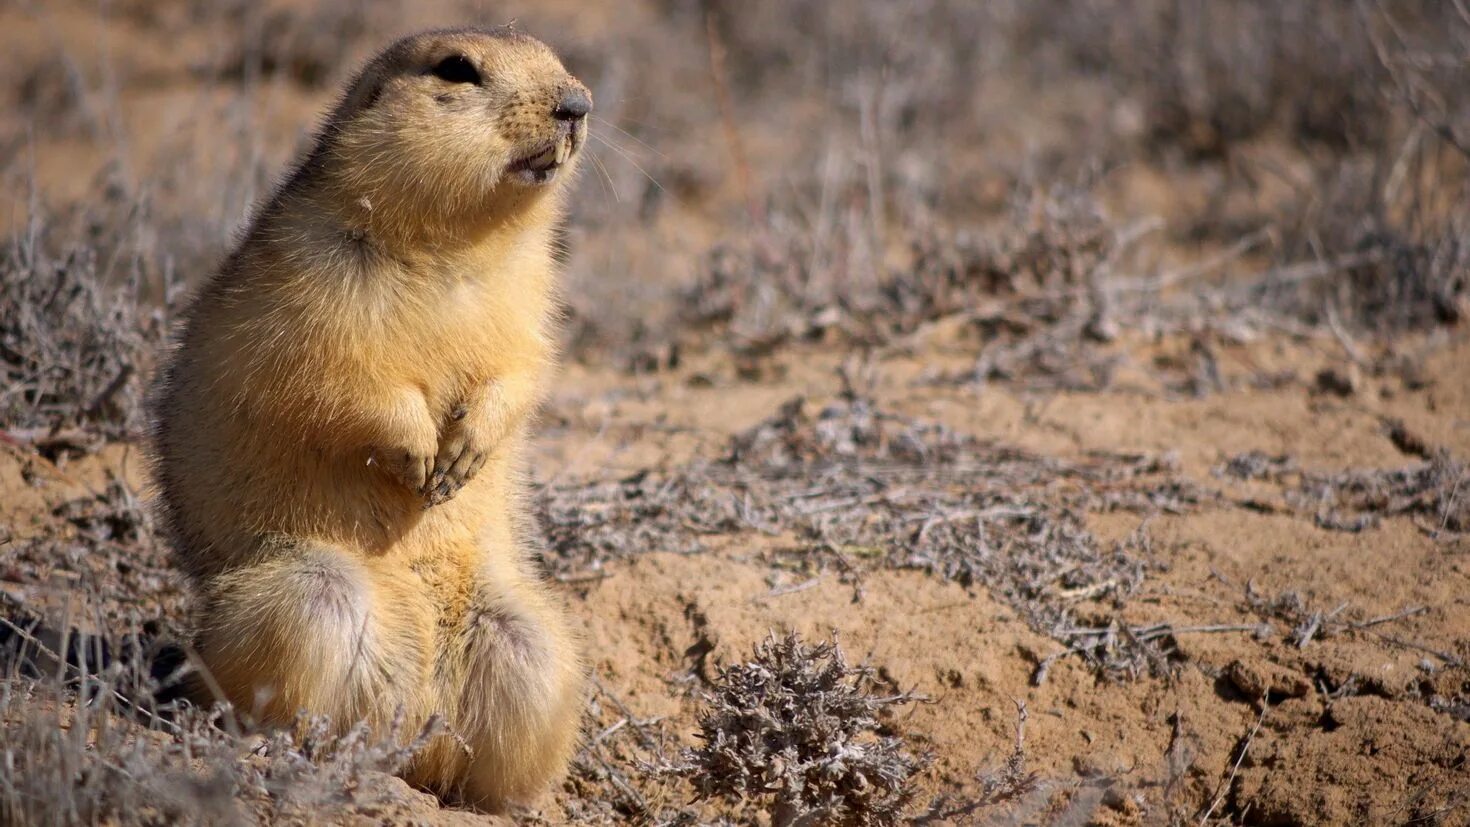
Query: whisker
626, 157
609, 186
612, 143
641, 142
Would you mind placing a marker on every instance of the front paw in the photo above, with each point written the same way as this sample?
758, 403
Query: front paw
462, 452
409, 467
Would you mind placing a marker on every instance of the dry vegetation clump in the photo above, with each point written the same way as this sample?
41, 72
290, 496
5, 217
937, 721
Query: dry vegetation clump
1390, 245
78, 756
1435, 493
1055, 241
76, 337
795, 735
1306, 75
824, 217
1031, 290
797, 732
1373, 93
590, 523
873, 230
857, 487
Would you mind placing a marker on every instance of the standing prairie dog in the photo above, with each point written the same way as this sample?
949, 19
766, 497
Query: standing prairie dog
339, 437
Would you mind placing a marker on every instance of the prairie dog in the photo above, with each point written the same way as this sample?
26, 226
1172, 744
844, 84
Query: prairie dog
339, 435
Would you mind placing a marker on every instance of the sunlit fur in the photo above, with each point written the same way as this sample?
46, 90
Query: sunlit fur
394, 298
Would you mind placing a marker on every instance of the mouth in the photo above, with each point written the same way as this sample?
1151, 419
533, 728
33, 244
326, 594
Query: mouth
541, 166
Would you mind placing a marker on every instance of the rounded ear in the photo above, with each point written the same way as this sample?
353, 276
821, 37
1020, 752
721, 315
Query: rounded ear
370, 97
363, 93
367, 86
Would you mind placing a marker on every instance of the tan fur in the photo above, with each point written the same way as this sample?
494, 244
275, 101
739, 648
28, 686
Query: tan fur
378, 339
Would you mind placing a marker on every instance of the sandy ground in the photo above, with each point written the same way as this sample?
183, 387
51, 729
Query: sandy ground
1363, 723
1309, 674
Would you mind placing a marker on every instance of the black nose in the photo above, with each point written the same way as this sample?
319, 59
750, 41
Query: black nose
573, 106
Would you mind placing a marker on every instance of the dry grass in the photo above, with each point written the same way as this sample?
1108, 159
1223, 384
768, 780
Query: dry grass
1033, 278
1435, 493
76, 751
859, 488
76, 336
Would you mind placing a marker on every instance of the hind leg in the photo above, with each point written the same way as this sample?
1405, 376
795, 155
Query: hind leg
304, 630
515, 682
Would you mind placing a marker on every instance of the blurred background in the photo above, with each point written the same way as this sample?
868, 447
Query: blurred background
1184, 283
772, 170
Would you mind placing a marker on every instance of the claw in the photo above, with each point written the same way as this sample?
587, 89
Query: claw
459, 458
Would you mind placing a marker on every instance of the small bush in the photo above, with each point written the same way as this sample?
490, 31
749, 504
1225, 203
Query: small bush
796, 730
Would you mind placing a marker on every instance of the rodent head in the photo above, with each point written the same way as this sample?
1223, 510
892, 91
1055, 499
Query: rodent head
447, 127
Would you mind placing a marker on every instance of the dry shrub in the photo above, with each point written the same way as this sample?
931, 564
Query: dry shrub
796, 731
1216, 73
76, 334
1397, 220
1028, 287
1377, 91
1397, 255
78, 757
866, 240
87, 294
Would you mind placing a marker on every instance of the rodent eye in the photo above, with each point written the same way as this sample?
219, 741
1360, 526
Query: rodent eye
456, 69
